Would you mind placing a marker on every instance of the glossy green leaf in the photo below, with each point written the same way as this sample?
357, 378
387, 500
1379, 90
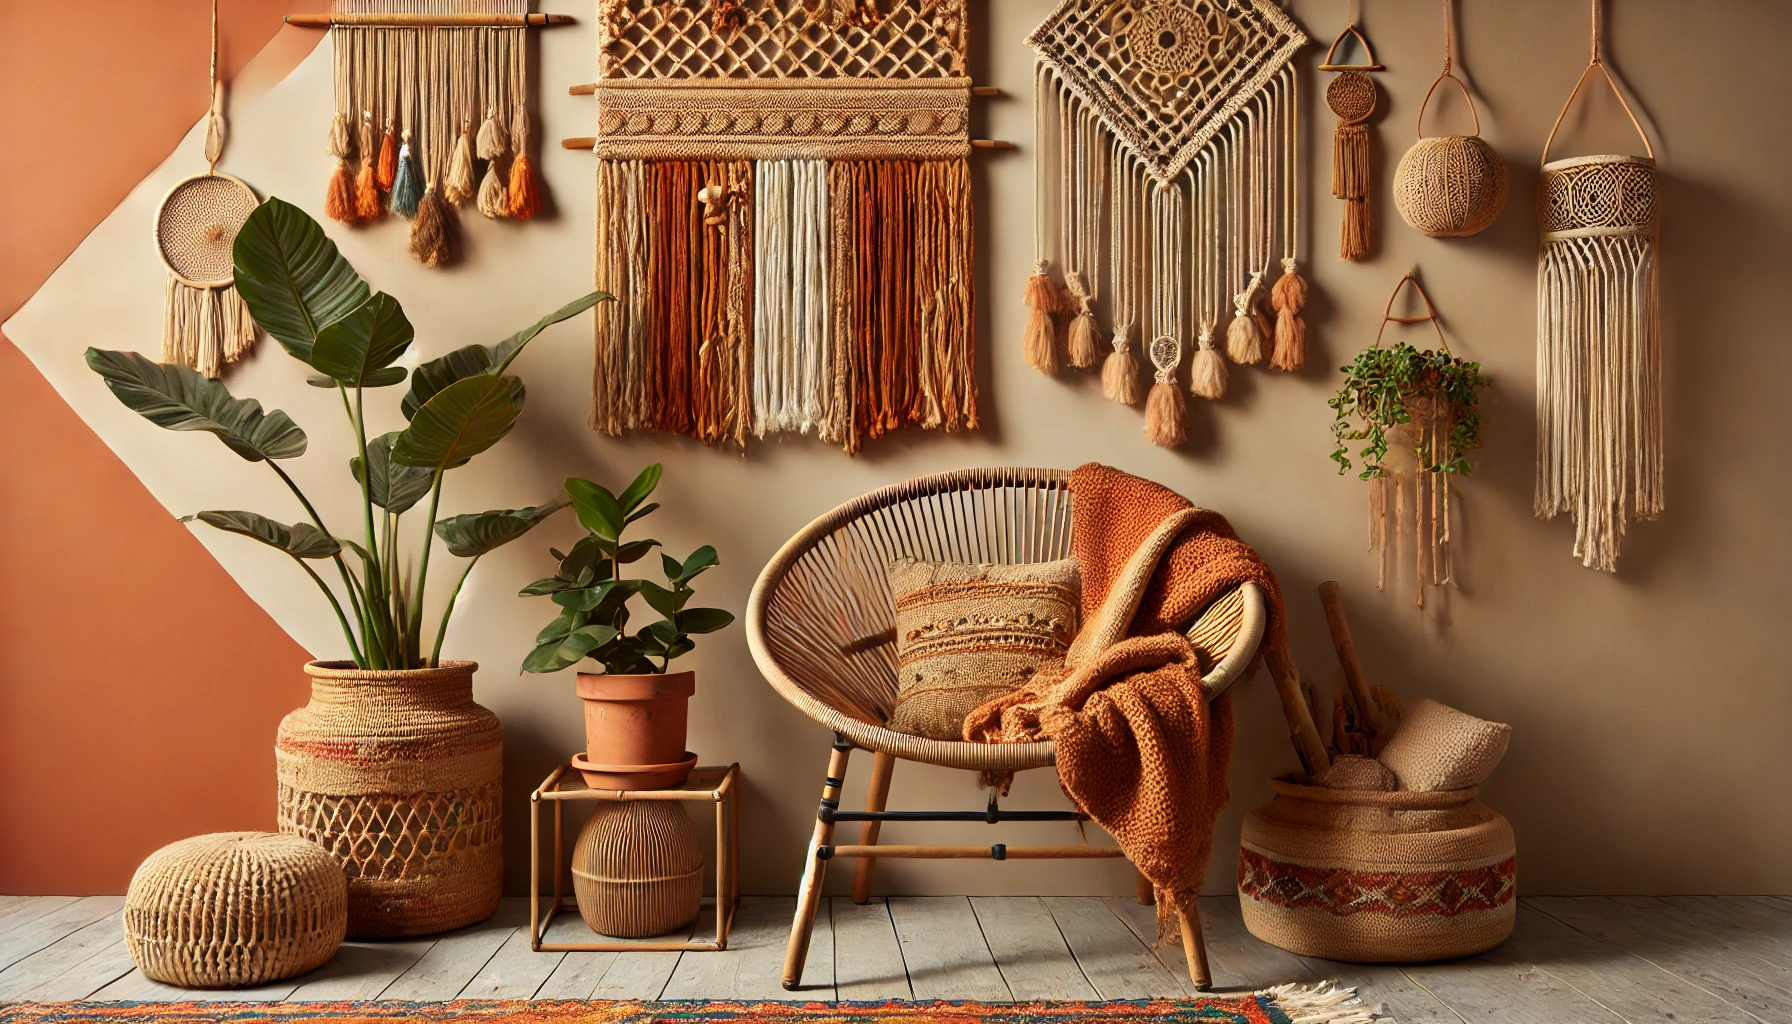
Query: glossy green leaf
703, 620
457, 423
363, 343
292, 277
552, 656
597, 508
177, 398
563, 624
394, 488
301, 540
556, 585
700, 560
474, 534
643, 512
638, 490
376, 379
634, 551
585, 599
660, 599
473, 360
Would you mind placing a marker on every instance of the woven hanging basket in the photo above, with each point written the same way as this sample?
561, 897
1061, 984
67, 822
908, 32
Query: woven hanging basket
1375, 877
196, 227
1449, 186
637, 869
234, 908
398, 774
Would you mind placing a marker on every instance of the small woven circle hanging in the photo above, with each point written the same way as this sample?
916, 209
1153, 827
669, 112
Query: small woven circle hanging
205, 323
1351, 97
1449, 186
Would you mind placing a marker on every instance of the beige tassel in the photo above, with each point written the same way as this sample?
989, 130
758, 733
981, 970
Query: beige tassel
1120, 374
494, 142
1084, 343
1288, 297
1040, 341
1245, 337
459, 185
1207, 374
494, 201
339, 140
1166, 412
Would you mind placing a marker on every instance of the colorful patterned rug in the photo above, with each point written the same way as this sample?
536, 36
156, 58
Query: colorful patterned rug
1284, 1005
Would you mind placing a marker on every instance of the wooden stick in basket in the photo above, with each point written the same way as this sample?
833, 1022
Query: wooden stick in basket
1366, 709
1305, 734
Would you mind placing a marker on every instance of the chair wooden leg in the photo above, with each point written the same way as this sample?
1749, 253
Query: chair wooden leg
808, 899
1194, 947
882, 765
1142, 889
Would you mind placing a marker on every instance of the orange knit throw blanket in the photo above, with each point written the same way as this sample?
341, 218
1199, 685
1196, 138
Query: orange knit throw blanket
1139, 747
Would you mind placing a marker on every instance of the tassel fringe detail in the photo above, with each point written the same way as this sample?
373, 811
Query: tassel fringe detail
388, 161
1040, 342
494, 142
494, 202
524, 201
1207, 375
459, 185
205, 328
1166, 414
432, 233
1288, 297
1321, 1003
1120, 373
339, 140
339, 197
407, 189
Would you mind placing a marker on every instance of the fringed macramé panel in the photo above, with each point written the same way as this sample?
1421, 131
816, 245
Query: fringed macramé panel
842, 254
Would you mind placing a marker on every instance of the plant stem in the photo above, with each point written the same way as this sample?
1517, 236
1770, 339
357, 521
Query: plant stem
357, 417
361, 614
435, 655
412, 646
347, 633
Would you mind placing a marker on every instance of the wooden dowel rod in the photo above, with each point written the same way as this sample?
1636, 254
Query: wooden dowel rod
980, 852
992, 144
585, 142
1345, 645
980, 91
688, 795
585, 89
397, 20
590, 142
1301, 730
986, 91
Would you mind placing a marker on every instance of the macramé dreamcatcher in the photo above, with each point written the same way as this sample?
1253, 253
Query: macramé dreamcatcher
784, 216
205, 324
1599, 425
1351, 97
426, 92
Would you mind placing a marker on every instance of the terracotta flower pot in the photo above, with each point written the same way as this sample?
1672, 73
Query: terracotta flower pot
635, 727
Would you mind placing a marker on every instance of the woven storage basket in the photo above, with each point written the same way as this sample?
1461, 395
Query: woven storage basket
399, 776
235, 908
1376, 877
637, 869
1450, 185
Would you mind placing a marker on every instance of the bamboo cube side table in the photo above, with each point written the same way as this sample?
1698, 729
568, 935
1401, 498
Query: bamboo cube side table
717, 785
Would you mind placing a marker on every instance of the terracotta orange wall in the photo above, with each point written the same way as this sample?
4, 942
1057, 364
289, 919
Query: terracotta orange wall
118, 733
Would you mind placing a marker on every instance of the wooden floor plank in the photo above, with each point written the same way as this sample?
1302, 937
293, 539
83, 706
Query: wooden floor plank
458, 956
752, 967
135, 988
21, 910
1629, 986
637, 976
1683, 947
1779, 902
1500, 986
1112, 958
514, 972
1741, 921
868, 963
73, 967
361, 970
43, 931
1028, 949
944, 950
577, 974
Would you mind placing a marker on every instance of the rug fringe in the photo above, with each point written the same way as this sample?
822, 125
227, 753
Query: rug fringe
1322, 1003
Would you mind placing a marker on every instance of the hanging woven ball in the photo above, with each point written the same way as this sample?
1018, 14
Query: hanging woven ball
637, 869
1450, 185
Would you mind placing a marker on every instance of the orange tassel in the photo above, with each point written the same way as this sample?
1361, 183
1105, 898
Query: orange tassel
525, 201
1288, 297
388, 166
367, 194
339, 198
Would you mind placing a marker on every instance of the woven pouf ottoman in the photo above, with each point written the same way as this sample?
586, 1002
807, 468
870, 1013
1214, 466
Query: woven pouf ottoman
235, 908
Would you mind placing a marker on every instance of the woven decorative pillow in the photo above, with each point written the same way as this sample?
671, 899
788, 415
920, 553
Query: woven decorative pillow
968, 633
1437, 747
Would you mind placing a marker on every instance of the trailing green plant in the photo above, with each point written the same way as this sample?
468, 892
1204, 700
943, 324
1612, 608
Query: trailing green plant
1381, 389
594, 599
303, 293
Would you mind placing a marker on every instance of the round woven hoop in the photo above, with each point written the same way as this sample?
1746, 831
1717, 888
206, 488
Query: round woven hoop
637, 869
196, 227
399, 776
233, 909
1449, 186
1375, 877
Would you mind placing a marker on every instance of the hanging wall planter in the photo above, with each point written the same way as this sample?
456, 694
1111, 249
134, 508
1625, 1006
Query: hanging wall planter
1449, 186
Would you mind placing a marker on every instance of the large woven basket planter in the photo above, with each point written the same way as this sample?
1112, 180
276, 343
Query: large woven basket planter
398, 775
234, 908
1377, 877
637, 869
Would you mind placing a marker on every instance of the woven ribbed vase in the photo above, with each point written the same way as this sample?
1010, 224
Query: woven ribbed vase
234, 908
1450, 185
637, 869
1376, 877
397, 774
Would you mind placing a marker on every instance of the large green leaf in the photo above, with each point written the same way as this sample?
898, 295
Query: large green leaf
393, 487
597, 508
474, 534
358, 347
457, 423
703, 620
474, 360
300, 540
637, 491
179, 398
375, 378
558, 654
292, 277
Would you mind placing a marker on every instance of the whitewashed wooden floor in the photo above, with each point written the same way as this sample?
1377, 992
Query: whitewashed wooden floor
1686, 960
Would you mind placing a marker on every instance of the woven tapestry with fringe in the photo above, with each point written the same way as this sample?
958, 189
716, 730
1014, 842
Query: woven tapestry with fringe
784, 215
1167, 130
427, 92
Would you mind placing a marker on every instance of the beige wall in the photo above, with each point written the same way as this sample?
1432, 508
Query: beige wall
1648, 707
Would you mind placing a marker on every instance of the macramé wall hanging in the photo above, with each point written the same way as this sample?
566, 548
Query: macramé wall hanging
1449, 186
205, 325
1419, 414
1599, 427
1351, 96
1170, 120
426, 90
784, 215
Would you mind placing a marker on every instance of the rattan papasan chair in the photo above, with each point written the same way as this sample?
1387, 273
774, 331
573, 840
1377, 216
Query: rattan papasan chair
820, 623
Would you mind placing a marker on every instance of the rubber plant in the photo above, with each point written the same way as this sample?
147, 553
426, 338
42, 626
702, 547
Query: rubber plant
303, 292
594, 599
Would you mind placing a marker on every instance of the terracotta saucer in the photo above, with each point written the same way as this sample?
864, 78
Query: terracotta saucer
634, 776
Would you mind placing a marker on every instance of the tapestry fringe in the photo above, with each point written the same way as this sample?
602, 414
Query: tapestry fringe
205, 328
1322, 1003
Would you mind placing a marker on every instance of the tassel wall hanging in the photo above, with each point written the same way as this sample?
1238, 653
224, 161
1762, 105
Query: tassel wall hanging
1351, 96
205, 324
784, 215
1147, 110
1449, 186
426, 91
1599, 426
